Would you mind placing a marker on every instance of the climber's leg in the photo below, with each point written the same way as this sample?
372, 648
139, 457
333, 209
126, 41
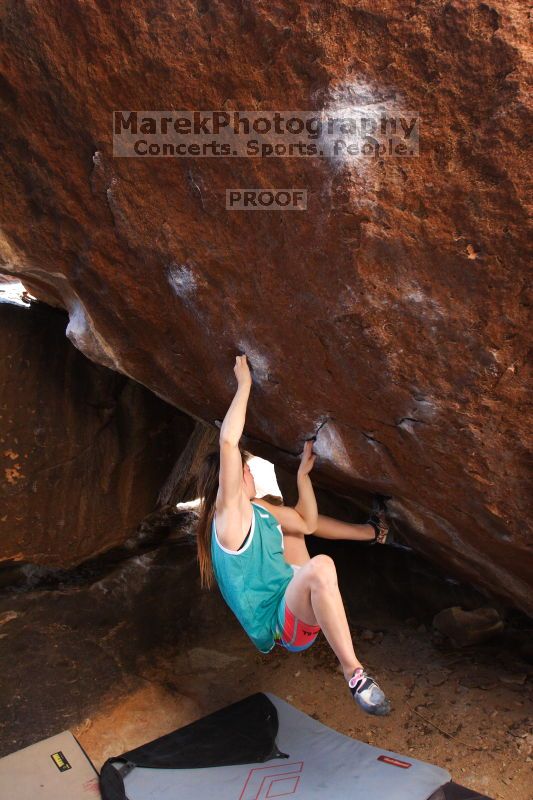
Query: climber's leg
314, 599
313, 596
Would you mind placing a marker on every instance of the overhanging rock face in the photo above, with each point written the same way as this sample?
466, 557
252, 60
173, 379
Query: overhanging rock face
390, 316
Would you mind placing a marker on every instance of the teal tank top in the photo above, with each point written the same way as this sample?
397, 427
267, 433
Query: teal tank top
253, 580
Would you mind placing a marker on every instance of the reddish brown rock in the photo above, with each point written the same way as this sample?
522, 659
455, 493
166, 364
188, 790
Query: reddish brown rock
468, 627
83, 450
391, 316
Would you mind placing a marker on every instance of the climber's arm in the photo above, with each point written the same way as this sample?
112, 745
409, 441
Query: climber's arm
303, 517
289, 519
306, 505
230, 476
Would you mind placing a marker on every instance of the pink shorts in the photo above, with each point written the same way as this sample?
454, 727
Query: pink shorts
293, 634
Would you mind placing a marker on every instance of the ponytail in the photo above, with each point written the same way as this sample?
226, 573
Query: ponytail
206, 490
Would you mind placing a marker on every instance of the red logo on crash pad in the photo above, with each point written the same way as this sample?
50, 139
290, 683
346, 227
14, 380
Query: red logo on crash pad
395, 762
264, 783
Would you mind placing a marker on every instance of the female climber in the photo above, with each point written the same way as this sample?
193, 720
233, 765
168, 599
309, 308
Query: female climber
241, 544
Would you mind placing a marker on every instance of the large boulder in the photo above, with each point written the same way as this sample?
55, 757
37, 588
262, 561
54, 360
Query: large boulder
389, 319
83, 450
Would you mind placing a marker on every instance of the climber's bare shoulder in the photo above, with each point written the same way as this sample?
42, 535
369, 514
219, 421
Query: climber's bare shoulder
232, 521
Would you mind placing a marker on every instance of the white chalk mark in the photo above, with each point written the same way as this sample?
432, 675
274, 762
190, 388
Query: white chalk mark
358, 100
258, 362
182, 279
426, 407
425, 306
329, 447
408, 425
83, 335
416, 296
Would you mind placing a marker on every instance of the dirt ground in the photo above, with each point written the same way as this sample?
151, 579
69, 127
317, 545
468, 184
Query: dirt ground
135, 652
467, 712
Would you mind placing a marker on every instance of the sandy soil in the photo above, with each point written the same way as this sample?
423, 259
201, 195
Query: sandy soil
467, 712
119, 666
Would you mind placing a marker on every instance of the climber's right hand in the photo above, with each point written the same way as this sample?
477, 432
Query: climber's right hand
242, 371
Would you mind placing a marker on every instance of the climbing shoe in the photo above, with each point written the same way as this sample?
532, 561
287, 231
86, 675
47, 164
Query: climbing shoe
367, 694
378, 520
